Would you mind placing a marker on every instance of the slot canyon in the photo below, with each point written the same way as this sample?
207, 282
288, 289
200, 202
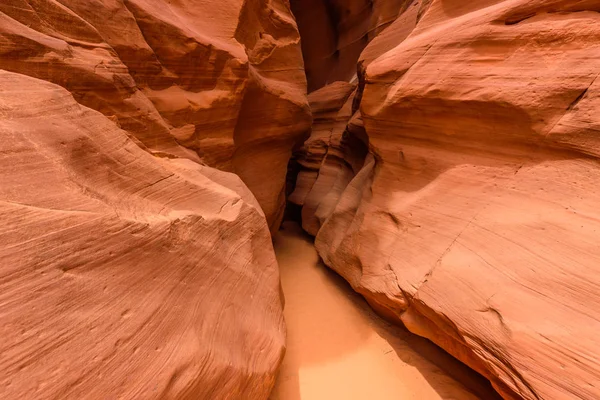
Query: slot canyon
300, 199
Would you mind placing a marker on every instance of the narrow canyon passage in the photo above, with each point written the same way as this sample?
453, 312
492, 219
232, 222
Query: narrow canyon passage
442, 158
337, 348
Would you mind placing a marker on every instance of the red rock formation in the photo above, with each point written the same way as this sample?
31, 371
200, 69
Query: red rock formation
274, 112
125, 275
176, 76
474, 221
130, 268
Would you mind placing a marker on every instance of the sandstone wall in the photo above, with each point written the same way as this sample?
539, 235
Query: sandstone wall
218, 82
125, 275
130, 267
474, 219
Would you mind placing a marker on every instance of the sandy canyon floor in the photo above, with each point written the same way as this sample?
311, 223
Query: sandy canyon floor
337, 348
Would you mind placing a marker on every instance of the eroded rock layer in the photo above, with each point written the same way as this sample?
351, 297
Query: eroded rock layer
214, 81
125, 275
474, 218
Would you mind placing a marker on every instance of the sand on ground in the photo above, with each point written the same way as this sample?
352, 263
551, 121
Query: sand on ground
337, 348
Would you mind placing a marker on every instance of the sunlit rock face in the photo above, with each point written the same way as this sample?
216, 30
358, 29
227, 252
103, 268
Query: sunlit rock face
474, 217
218, 82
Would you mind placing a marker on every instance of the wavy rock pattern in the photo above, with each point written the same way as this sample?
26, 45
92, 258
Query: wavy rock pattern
125, 275
331, 157
131, 268
474, 218
453, 183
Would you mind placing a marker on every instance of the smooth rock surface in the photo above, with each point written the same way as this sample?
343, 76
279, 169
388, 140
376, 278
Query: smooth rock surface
124, 274
474, 219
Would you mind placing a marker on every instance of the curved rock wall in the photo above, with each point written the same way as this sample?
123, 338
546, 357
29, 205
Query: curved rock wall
130, 267
474, 219
454, 185
183, 78
123, 274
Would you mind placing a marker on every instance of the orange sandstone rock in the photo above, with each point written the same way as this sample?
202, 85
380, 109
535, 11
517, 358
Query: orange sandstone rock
474, 218
183, 78
130, 267
123, 274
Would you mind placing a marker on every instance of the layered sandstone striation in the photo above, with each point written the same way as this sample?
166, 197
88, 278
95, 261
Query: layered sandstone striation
130, 267
125, 275
474, 218
218, 82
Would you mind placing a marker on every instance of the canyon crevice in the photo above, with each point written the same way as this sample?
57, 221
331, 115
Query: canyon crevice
444, 156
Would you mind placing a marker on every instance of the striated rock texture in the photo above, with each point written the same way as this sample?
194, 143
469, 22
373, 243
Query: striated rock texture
125, 275
218, 82
131, 268
474, 218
